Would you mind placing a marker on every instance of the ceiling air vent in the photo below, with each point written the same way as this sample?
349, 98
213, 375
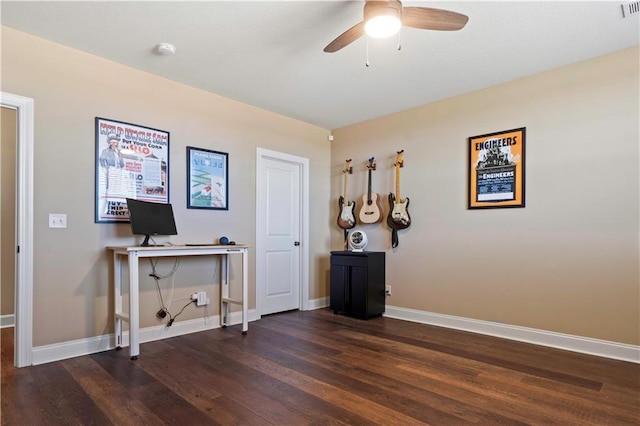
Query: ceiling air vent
630, 8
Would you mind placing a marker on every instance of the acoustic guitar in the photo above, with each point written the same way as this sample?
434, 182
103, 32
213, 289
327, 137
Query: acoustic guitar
346, 218
371, 209
398, 208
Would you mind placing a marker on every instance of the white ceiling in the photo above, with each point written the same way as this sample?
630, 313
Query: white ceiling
269, 53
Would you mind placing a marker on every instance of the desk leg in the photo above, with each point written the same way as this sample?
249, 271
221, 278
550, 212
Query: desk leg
224, 289
224, 271
134, 306
245, 291
117, 299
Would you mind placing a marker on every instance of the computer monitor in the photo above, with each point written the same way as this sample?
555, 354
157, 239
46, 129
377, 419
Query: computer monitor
149, 219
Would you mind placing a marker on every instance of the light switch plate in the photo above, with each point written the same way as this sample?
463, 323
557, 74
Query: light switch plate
57, 220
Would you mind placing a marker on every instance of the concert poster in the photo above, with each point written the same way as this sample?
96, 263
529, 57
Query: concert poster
497, 169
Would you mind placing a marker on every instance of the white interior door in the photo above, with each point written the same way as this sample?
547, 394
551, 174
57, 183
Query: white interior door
280, 227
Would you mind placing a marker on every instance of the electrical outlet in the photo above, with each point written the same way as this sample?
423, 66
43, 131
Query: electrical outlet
387, 290
202, 299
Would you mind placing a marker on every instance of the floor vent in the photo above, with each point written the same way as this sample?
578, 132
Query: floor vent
630, 8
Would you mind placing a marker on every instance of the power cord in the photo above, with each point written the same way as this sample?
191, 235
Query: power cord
172, 319
163, 313
164, 310
153, 261
157, 277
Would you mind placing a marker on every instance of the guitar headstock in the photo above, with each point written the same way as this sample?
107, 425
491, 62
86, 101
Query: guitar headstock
348, 168
372, 163
399, 161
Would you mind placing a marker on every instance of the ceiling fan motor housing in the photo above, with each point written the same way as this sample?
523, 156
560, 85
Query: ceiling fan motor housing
377, 8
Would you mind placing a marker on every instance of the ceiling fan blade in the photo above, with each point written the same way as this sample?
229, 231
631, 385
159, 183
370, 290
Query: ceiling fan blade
433, 19
346, 38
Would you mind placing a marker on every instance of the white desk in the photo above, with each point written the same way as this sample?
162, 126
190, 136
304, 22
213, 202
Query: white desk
133, 254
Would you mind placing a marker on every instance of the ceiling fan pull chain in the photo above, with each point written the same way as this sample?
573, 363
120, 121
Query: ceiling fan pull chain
367, 61
399, 43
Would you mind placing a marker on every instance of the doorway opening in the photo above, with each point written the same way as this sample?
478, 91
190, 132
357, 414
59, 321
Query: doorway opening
23, 306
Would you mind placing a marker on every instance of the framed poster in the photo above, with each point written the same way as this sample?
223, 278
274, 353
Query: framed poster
131, 162
207, 179
496, 169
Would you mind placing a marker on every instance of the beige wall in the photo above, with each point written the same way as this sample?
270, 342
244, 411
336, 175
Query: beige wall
569, 261
8, 209
72, 298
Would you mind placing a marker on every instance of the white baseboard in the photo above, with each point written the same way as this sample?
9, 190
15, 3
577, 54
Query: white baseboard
602, 348
7, 321
91, 345
319, 303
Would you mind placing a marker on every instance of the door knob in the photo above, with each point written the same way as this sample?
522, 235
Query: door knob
297, 243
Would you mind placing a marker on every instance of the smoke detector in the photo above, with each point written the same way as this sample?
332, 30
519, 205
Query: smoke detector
165, 49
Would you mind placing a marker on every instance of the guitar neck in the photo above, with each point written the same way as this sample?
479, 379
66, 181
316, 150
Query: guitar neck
369, 187
398, 197
344, 192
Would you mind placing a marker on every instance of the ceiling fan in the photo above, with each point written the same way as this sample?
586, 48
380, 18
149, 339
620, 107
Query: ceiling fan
384, 19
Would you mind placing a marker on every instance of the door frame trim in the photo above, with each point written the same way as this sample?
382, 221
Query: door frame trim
261, 155
23, 331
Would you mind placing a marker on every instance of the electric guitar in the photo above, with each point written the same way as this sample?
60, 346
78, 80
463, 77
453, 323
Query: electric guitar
398, 208
346, 219
371, 210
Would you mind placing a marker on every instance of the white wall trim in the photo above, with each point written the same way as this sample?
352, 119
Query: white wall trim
23, 334
602, 348
92, 345
319, 303
7, 321
261, 154
72, 349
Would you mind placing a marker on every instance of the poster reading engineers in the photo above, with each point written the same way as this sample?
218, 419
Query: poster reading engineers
496, 169
131, 162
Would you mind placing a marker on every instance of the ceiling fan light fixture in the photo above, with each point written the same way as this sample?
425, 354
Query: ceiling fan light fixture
382, 18
383, 26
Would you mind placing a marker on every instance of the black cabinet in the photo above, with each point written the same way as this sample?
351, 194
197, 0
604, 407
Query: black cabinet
357, 283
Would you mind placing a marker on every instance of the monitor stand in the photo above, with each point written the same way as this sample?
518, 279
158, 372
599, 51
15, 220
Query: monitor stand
145, 243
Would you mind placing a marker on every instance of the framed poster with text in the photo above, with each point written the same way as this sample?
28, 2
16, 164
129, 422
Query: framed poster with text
207, 179
131, 162
496, 169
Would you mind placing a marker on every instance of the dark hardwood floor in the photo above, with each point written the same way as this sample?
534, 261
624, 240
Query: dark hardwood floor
315, 367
